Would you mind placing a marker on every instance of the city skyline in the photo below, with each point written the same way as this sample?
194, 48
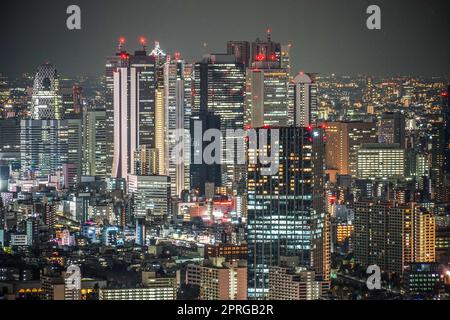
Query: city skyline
234, 175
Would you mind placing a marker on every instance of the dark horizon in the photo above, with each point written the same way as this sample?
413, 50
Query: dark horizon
328, 36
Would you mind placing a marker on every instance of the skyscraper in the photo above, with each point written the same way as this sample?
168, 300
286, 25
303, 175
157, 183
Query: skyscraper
94, 142
436, 147
305, 99
112, 63
241, 50
267, 85
344, 139
391, 128
130, 93
46, 98
177, 84
320, 226
219, 86
43, 146
134, 109
280, 206
446, 115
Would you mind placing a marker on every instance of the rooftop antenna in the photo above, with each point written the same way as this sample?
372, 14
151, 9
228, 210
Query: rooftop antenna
157, 52
122, 41
143, 43
269, 35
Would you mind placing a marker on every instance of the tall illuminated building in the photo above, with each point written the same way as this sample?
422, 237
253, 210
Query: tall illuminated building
134, 109
446, 115
219, 89
43, 147
305, 99
267, 85
177, 82
371, 234
391, 128
160, 113
320, 228
280, 206
344, 139
436, 149
71, 101
424, 235
74, 149
112, 63
94, 142
46, 98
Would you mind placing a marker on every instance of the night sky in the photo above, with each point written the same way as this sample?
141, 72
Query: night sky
328, 36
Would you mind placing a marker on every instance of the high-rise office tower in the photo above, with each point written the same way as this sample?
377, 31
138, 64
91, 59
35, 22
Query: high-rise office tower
134, 109
391, 128
176, 105
43, 146
280, 206
160, 109
202, 173
344, 139
94, 142
436, 148
241, 50
446, 115
267, 86
219, 86
130, 92
46, 98
112, 63
305, 99
75, 147
71, 101
320, 227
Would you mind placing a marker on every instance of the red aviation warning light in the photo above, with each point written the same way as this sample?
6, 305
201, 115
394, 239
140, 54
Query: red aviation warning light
260, 57
142, 41
122, 40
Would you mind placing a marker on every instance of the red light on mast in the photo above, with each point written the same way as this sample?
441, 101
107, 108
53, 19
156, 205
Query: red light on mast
122, 40
260, 57
142, 41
